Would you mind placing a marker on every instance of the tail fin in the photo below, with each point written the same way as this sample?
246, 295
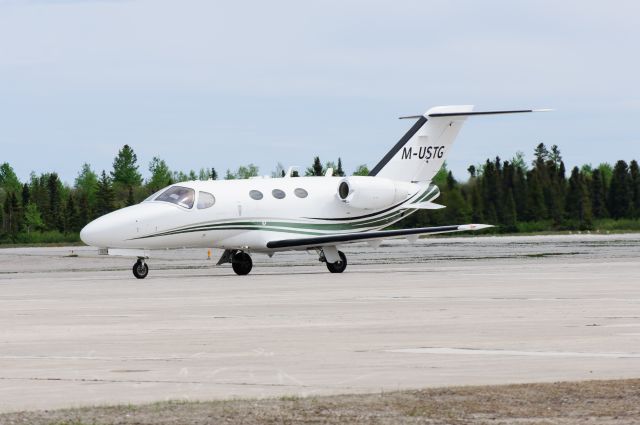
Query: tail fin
423, 149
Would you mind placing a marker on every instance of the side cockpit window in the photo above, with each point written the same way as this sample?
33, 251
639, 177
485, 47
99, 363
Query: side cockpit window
205, 200
178, 195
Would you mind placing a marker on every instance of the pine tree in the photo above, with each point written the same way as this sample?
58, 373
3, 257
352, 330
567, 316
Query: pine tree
476, 203
620, 191
87, 182
536, 207
634, 172
84, 211
160, 175
53, 214
104, 195
520, 191
509, 212
130, 198
26, 195
72, 218
15, 216
125, 173
578, 203
491, 192
339, 171
598, 195
315, 169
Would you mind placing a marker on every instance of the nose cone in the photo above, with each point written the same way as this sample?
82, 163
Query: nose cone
93, 234
111, 230
97, 233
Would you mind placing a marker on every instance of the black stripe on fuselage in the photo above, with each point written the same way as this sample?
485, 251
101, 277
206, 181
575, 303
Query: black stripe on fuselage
368, 215
409, 134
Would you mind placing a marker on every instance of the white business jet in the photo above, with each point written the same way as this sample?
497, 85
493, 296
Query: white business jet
267, 215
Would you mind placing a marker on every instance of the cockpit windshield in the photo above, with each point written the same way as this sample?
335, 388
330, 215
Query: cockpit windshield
178, 195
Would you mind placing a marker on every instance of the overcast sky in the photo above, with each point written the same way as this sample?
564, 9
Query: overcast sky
203, 83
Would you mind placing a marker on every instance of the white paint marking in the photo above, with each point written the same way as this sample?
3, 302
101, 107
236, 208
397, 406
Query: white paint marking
478, 352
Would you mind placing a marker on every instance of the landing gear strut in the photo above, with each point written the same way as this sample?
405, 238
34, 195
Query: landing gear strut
338, 266
140, 269
241, 263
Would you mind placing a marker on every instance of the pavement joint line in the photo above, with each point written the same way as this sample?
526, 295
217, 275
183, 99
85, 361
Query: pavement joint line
151, 381
501, 352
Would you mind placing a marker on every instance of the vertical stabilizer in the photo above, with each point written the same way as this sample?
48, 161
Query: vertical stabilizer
423, 149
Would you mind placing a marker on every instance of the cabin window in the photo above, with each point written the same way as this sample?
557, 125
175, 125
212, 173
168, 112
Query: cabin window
278, 194
205, 200
178, 195
301, 193
256, 194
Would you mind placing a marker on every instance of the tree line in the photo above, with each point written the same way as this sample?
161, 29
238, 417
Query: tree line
513, 194
44, 209
539, 197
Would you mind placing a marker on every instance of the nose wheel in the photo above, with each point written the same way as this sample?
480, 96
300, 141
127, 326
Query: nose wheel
140, 269
338, 266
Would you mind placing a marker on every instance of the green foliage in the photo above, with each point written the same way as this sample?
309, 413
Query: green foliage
125, 168
32, 219
87, 183
606, 170
511, 195
620, 195
9, 182
243, 172
160, 175
105, 195
362, 170
339, 172
316, 168
578, 202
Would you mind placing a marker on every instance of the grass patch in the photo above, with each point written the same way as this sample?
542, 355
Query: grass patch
612, 402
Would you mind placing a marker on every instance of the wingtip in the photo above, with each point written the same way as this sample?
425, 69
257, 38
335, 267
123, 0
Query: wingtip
474, 227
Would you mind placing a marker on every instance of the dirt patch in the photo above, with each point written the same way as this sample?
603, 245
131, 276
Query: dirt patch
601, 402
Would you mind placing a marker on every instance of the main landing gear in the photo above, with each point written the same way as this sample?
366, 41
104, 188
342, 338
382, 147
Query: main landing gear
140, 269
241, 263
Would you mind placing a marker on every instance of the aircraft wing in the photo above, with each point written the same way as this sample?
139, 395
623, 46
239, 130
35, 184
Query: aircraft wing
318, 241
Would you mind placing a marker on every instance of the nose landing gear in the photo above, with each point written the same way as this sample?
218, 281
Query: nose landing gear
140, 269
336, 260
338, 266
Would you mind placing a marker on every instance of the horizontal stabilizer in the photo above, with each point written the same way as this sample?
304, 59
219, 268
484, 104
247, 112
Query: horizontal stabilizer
469, 114
319, 241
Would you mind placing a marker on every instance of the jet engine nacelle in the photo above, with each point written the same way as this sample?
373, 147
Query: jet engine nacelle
370, 193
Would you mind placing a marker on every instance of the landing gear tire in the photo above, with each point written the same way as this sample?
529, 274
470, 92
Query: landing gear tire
339, 266
140, 269
241, 263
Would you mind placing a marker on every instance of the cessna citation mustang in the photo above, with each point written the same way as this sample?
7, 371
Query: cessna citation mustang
267, 215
